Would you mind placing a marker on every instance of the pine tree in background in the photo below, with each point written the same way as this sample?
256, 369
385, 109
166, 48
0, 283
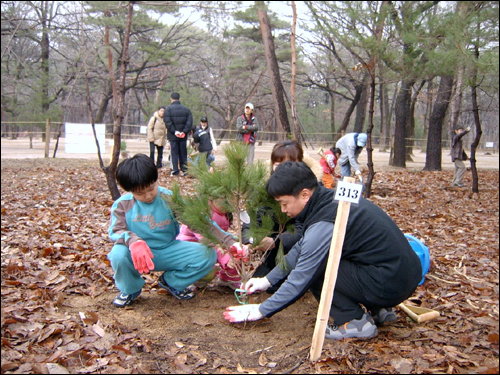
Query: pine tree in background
234, 187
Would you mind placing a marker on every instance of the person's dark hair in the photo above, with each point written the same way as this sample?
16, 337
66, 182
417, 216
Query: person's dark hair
290, 178
137, 172
336, 150
161, 108
286, 150
175, 96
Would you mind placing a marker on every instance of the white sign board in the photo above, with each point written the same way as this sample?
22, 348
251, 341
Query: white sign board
348, 192
80, 138
490, 144
143, 129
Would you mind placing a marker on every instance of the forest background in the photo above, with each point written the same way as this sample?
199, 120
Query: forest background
433, 67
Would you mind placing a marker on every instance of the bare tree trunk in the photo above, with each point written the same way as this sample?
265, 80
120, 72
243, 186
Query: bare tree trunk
410, 130
273, 68
403, 103
296, 128
347, 117
428, 111
359, 122
383, 118
477, 120
434, 137
332, 115
456, 102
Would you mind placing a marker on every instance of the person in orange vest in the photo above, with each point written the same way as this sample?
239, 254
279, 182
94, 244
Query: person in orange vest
328, 162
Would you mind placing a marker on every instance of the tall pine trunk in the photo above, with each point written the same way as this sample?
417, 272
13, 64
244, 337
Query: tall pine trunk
403, 104
272, 65
434, 135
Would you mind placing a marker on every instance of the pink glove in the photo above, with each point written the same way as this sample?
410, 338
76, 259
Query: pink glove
239, 251
141, 256
243, 313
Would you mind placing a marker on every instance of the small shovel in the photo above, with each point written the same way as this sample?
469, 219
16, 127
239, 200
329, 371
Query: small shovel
419, 314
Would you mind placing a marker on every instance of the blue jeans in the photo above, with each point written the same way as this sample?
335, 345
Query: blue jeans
346, 169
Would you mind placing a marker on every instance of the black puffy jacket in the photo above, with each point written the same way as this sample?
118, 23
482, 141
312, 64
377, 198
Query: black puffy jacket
178, 118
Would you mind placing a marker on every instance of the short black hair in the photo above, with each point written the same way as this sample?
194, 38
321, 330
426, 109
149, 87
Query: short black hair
175, 96
136, 173
161, 108
336, 150
290, 178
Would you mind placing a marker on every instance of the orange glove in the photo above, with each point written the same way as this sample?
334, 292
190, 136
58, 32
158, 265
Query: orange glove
141, 256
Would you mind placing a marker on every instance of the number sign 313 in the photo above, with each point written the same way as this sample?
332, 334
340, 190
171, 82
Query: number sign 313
348, 192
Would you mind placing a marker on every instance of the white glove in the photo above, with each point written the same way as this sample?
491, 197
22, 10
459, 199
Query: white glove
358, 172
256, 284
242, 313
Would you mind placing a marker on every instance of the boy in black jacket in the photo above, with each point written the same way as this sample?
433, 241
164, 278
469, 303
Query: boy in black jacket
378, 268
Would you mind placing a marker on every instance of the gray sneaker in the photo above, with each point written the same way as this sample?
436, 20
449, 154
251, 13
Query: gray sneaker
384, 315
356, 328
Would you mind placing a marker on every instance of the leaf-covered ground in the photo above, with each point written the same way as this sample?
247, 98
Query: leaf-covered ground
57, 288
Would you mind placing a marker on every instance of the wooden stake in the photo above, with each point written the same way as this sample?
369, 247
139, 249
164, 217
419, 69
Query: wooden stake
331, 272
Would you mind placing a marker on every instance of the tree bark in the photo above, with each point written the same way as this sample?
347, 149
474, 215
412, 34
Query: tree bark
477, 120
403, 103
273, 68
359, 122
347, 117
296, 128
434, 136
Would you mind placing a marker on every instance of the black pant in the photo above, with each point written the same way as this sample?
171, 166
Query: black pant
178, 150
349, 294
159, 160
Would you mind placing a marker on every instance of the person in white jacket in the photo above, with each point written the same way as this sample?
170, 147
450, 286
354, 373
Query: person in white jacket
156, 133
351, 146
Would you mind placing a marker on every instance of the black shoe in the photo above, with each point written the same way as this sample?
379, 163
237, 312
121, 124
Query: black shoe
122, 299
185, 294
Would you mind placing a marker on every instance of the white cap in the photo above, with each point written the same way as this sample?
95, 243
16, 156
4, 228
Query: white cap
249, 105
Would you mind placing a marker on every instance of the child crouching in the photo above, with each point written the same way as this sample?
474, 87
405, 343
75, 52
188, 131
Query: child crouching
144, 230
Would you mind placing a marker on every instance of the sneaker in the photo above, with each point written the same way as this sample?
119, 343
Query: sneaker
384, 315
187, 293
123, 299
174, 173
184, 174
360, 328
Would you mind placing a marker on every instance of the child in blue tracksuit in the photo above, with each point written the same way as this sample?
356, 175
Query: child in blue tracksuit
144, 230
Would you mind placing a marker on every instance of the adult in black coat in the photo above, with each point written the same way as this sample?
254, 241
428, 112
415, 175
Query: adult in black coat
179, 121
378, 268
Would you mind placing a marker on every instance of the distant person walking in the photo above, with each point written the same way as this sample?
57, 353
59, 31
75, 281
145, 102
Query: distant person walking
247, 126
179, 121
350, 146
156, 133
458, 156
